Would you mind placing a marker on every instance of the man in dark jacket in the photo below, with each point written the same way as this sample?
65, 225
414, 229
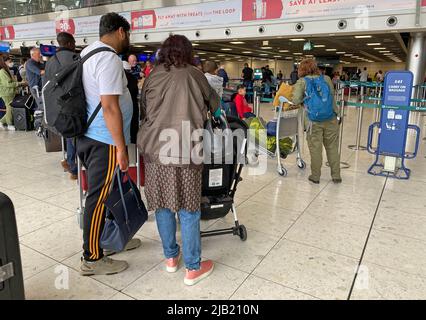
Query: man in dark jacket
222, 73
64, 56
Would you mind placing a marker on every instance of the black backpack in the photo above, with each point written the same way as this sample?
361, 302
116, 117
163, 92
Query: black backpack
65, 101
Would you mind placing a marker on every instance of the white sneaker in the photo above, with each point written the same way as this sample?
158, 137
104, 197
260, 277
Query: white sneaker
3, 127
11, 128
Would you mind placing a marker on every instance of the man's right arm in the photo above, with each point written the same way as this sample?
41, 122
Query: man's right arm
114, 122
109, 76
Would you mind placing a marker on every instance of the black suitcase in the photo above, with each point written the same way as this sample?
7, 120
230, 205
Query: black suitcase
52, 141
11, 278
23, 101
23, 119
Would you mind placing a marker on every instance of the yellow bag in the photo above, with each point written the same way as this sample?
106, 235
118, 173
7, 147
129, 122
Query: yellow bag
286, 91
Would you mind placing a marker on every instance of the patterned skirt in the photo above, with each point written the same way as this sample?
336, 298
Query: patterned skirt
174, 188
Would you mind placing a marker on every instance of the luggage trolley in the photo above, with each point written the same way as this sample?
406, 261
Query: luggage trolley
287, 125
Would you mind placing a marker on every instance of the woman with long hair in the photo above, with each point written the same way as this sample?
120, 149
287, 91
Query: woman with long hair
321, 133
8, 90
175, 100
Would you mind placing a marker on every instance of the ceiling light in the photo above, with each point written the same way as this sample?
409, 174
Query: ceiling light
221, 55
226, 49
348, 54
374, 44
330, 49
277, 56
387, 51
265, 48
298, 53
237, 42
379, 48
297, 39
340, 52
388, 54
247, 52
202, 53
362, 37
195, 44
319, 46
284, 51
263, 54
139, 46
148, 51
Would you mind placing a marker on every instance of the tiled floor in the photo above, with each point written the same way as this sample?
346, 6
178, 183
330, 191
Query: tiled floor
304, 241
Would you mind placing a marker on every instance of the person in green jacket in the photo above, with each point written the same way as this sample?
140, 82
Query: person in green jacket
320, 134
8, 89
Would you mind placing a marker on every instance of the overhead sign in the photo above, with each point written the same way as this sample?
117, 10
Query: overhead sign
200, 14
49, 29
206, 14
295, 9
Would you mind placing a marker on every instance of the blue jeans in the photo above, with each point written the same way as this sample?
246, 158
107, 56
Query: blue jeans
71, 156
191, 239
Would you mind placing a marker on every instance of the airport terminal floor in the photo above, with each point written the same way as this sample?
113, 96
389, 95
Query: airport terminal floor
305, 241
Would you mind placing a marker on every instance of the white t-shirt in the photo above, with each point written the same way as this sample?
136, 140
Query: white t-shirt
103, 74
363, 76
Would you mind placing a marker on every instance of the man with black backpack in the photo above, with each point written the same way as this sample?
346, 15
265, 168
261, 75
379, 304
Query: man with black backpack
64, 56
89, 100
103, 146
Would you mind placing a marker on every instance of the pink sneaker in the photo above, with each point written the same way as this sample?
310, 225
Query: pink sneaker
172, 264
194, 276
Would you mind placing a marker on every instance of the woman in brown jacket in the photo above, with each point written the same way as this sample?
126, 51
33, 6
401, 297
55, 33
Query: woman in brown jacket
175, 100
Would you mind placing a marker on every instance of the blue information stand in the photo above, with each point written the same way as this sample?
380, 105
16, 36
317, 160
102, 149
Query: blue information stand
393, 125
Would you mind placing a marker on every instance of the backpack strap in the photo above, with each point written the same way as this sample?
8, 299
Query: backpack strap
83, 60
95, 51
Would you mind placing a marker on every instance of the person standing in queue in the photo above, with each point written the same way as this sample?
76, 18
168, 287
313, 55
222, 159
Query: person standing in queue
148, 68
213, 79
132, 85
8, 89
35, 69
176, 96
224, 75
136, 69
104, 145
65, 55
247, 75
324, 133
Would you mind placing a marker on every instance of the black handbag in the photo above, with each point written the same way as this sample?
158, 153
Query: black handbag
126, 213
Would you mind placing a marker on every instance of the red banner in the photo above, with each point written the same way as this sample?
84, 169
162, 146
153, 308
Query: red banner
261, 9
65, 26
143, 20
7, 33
